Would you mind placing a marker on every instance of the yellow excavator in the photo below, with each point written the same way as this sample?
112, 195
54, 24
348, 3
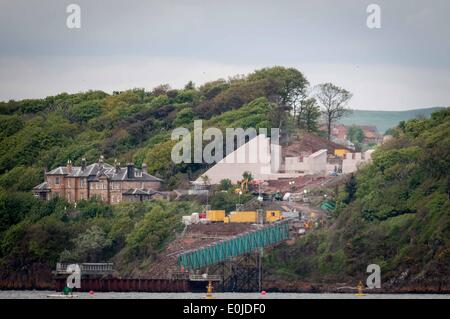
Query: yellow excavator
243, 186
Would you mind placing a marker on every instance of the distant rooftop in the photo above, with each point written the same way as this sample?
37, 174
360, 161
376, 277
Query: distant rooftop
96, 170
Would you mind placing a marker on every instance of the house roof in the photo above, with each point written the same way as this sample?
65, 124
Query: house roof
120, 174
140, 191
96, 170
77, 171
42, 187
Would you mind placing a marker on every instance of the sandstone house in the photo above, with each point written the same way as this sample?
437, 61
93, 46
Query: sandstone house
111, 183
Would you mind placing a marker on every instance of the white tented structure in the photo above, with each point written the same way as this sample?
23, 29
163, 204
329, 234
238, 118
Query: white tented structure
258, 156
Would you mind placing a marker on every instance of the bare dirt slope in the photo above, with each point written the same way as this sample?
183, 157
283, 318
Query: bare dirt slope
195, 236
307, 143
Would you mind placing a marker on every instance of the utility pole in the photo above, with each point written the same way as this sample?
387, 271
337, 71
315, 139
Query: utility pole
260, 255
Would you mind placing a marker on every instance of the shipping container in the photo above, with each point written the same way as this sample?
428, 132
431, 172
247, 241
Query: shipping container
243, 217
215, 215
340, 152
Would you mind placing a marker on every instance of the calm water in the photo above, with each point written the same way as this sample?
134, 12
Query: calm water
14, 294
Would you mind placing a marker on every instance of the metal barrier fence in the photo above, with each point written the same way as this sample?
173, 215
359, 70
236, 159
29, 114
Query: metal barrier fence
87, 268
233, 247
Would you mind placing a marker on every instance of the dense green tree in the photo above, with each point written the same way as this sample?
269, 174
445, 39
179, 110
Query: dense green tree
21, 178
210, 89
228, 200
355, 134
290, 84
14, 206
308, 115
225, 184
88, 246
289, 88
9, 125
85, 111
159, 159
184, 118
151, 232
350, 189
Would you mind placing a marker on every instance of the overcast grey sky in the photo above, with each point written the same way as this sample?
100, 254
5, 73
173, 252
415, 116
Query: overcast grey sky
137, 43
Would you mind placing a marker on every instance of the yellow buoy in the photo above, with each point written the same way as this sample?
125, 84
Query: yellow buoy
209, 291
360, 288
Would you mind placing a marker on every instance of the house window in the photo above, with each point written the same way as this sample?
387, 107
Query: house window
57, 180
82, 182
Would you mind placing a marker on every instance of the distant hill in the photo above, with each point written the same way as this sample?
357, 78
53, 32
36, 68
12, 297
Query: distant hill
384, 120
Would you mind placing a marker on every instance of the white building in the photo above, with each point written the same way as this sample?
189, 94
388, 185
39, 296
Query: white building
352, 161
257, 156
313, 164
264, 161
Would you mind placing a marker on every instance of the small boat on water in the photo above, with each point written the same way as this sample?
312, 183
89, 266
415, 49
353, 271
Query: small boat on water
65, 294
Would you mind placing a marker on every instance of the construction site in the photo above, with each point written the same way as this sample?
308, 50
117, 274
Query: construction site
225, 249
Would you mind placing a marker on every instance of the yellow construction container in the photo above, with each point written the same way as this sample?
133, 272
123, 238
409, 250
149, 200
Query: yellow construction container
215, 215
340, 152
243, 217
273, 215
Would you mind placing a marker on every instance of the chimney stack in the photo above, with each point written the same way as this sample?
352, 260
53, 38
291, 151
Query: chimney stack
130, 170
83, 164
117, 166
69, 166
100, 162
144, 168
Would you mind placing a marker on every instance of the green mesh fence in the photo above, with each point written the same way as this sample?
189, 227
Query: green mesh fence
236, 246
